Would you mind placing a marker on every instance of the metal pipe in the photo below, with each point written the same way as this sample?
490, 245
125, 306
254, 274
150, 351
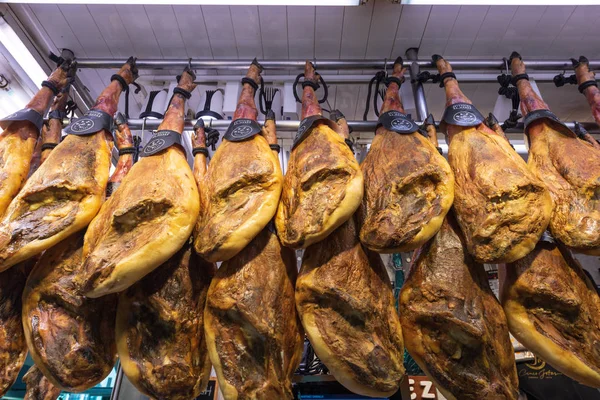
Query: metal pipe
417, 87
371, 64
292, 125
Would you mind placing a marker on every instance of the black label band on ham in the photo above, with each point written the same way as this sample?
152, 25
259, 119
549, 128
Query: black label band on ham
547, 114
462, 114
398, 122
307, 124
160, 141
57, 114
26, 114
93, 121
242, 129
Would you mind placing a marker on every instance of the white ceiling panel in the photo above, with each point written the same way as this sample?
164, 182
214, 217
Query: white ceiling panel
170, 41
355, 31
220, 31
383, 32
301, 27
328, 31
246, 26
273, 26
109, 23
190, 21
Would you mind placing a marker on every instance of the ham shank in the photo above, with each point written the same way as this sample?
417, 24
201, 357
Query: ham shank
453, 325
554, 310
252, 329
409, 186
66, 192
243, 184
569, 166
501, 206
19, 138
150, 215
160, 319
71, 337
323, 185
38, 386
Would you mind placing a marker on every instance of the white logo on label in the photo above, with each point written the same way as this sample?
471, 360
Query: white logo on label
401, 124
465, 117
12, 115
241, 131
154, 145
82, 125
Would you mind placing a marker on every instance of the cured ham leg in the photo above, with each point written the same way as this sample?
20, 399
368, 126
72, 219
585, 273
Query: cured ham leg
323, 185
160, 319
345, 301
18, 140
589, 90
409, 186
150, 215
66, 192
38, 386
453, 325
70, 337
13, 346
253, 333
554, 310
244, 184
570, 168
501, 207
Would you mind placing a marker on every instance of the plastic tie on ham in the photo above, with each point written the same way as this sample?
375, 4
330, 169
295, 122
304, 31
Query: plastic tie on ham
162, 140
398, 122
462, 114
550, 116
26, 114
93, 121
308, 124
242, 129
547, 237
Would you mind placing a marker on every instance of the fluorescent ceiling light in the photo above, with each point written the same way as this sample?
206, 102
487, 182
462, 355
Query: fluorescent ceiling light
206, 2
19, 52
502, 2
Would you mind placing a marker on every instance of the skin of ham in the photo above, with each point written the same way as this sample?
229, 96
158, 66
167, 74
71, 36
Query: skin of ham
323, 185
409, 186
66, 192
569, 167
147, 219
244, 182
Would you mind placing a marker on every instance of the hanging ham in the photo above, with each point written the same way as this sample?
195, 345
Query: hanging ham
19, 138
38, 387
71, 337
244, 182
453, 325
345, 301
409, 186
323, 185
160, 319
554, 310
13, 346
588, 86
253, 333
150, 215
569, 166
66, 192
501, 207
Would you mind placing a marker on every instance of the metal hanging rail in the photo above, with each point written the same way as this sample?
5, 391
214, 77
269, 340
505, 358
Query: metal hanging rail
375, 64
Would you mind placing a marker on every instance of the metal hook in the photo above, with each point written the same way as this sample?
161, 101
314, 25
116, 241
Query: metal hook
385, 66
507, 72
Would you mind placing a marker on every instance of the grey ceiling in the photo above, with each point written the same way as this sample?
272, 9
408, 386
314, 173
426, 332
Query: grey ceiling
378, 29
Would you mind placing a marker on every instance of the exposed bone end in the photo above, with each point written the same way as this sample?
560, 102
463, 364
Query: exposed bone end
309, 73
491, 120
582, 70
517, 66
441, 64
254, 71
343, 128
270, 116
199, 136
186, 81
129, 70
60, 76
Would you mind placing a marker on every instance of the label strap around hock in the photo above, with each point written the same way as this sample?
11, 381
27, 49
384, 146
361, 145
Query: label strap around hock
161, 140
26, 114
307, 124
398, 122
462, 114
92, 122
540, 114
57, 114
242, 129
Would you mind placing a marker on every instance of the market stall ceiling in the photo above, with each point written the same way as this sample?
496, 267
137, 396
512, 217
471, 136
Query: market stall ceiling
377, 29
